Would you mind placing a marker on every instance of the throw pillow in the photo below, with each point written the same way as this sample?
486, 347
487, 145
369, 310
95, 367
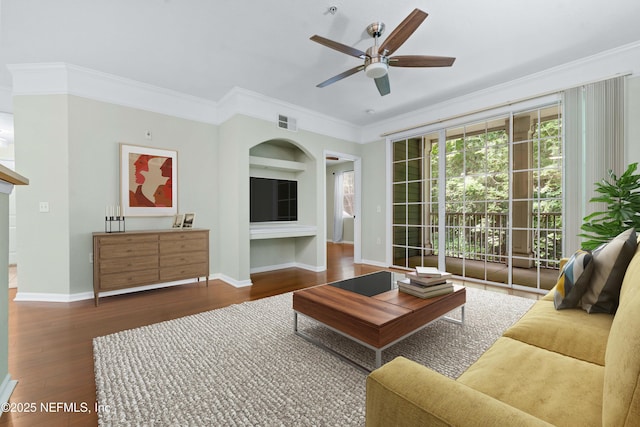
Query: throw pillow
573, 280
610, 262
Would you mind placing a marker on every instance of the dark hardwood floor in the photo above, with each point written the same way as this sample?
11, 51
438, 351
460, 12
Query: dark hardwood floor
50, 344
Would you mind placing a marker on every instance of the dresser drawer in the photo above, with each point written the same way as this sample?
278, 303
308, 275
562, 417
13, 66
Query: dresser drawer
190, 271
134, 249
185, 258
128, 279
123, 239
125, 264
179, 246
178, 236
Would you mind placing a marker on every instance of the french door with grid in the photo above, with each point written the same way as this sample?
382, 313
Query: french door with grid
496, 216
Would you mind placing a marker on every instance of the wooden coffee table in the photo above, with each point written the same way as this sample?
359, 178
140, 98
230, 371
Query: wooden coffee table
373, 316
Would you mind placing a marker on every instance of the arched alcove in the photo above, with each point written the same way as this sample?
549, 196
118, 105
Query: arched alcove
282, 241
281, 149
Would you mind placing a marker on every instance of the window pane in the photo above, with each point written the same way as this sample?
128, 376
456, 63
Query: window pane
399, 235
399, 193
399, 150
399, 256
414, 214
414, 169
399, 172
414, 148
399, 214
414, 192
414, 236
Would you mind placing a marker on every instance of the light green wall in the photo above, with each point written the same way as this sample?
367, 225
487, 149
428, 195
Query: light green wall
41, 129
4, 279
374, 202
268, 253
237, 136
70, 145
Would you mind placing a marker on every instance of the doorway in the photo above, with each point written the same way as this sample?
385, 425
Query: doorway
342, 218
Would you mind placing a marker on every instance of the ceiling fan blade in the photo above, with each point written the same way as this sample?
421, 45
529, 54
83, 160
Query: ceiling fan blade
402, 32
420, 61
339, 47
341, 76
383, 85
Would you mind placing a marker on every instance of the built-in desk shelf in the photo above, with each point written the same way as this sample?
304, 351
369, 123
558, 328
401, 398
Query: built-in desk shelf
276, 164
279, 231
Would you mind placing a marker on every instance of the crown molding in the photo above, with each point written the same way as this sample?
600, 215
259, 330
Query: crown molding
256, 105
62, 78
623, 60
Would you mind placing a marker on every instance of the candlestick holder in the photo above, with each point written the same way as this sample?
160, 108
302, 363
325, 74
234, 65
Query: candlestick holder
109, 226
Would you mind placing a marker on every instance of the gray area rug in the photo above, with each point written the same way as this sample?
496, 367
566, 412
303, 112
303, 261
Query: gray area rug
243, 366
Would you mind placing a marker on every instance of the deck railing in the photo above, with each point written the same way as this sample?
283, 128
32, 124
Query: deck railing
483, 236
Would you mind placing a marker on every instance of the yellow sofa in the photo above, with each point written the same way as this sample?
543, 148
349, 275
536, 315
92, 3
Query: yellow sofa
552, 367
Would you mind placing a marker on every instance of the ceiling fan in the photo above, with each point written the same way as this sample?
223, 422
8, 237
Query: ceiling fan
377, 60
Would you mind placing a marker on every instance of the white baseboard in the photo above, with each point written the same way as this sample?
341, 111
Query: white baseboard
375, 263
50, 297
272, 267
231, 280
6, 388
315, 269
47, 297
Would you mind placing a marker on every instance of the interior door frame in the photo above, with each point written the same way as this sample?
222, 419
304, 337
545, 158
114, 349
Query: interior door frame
357, 220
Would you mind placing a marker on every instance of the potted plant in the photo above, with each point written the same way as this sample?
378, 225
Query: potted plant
622, 198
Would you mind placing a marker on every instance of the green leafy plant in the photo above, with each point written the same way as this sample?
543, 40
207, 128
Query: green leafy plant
622, 197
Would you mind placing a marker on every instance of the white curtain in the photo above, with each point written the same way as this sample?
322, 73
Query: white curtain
338, 208
594, 144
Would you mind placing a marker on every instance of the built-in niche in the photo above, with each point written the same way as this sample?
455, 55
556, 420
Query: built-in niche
284, 243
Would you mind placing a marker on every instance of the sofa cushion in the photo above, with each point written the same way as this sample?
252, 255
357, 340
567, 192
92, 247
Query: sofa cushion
610, 263
621, 401
558, 389
573, 280
571, 332
629, 283
403, 393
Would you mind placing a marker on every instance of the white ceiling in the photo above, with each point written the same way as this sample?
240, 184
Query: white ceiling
207, 47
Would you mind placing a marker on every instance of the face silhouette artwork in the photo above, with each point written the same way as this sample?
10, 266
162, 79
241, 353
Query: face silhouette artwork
150, 181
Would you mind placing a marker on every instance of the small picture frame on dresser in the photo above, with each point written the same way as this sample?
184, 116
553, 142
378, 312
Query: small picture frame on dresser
188, 220
178, 220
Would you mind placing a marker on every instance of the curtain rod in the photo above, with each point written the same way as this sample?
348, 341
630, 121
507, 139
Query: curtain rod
503, 104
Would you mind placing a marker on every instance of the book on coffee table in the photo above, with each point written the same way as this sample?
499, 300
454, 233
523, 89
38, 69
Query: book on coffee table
405, 286
428, 281
430, 272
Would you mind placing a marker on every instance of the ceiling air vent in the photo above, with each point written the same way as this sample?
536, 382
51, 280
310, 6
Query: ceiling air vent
288, 123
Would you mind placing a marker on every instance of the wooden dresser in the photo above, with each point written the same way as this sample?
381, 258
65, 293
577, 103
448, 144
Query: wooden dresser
139, 258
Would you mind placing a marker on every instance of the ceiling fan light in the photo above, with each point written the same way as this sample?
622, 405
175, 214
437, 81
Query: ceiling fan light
376, 69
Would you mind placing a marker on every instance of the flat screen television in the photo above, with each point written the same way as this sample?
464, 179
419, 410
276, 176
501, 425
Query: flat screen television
273, 200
